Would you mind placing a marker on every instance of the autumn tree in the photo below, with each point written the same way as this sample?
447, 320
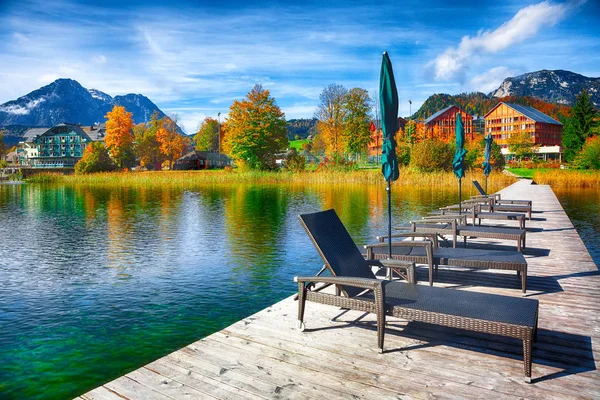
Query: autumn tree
255, 130
357, 120
207, 137
95, 159
410, 132
147, 147
172, 144
521, 145
119, 136
330, 115
580, 126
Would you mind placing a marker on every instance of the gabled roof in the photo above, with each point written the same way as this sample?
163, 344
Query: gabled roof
437, 114
30, 135
529, 112
74, 127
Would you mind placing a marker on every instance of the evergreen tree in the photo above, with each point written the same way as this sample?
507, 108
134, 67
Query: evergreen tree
579, 127
207, 137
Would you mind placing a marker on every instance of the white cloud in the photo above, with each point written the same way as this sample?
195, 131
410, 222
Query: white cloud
490, 80
527, 22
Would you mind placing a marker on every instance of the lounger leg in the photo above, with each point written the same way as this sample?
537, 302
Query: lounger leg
430, 274
527, 358
411, 272
301, 304
524, 281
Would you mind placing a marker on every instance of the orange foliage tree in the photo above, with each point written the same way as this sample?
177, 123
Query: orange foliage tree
119, 136
172, 144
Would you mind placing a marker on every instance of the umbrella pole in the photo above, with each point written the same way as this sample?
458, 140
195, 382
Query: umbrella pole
459, 196
389, 195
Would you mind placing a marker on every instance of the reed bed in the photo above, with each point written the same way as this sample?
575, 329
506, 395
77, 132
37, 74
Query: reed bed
558, 178
190, 179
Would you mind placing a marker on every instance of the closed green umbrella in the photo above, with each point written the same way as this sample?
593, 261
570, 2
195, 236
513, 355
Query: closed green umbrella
487, 166
388, 100
458, 164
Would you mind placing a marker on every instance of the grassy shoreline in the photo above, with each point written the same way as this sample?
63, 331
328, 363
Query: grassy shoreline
190, 179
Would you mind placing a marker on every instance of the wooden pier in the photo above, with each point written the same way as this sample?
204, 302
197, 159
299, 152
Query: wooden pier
264, 356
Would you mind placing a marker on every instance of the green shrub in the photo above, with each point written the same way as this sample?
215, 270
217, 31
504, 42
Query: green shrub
295, 162
589, 157
95, 159
432, 155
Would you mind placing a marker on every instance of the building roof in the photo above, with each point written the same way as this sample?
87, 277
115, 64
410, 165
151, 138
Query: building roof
534, 114
437, 114
529, 112
74, 127
96, 132
30, 135
204, 155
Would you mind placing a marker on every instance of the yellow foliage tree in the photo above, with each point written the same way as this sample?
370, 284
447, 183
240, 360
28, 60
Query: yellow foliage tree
172, 144
119, 136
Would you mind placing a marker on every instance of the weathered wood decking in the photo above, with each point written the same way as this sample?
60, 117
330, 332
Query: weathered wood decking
264, 356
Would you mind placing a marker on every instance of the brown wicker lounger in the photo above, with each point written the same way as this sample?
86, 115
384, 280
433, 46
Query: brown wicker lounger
441, 227
472, 311
497, 197
427, 252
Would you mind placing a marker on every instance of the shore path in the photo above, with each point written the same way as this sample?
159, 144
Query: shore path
264, 356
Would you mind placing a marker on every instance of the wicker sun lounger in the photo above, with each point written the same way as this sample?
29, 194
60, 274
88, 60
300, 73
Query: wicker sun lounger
497, 197
471, 311
441, 227
474, 214
427, 252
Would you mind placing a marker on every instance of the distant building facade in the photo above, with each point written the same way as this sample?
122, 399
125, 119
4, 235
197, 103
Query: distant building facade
442, 124
507, 119
374, 146
60, 146
202, 160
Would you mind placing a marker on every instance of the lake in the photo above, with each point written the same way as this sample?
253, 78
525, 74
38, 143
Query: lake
97, 282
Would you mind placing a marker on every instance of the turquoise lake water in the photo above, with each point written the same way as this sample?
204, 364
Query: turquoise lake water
98, 282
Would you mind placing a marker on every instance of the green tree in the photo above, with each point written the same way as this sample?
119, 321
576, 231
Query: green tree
207, 137
410, 132
95, 159
295, 162
580, 126
357, 120
330, 114
255, 130
589, 157
147, 147
521, 145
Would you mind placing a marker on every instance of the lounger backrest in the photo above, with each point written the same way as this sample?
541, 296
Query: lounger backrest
479, 188
336, 247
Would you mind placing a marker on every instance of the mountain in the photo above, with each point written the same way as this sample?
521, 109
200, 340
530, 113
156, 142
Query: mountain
65, 100
558, 86
301, 127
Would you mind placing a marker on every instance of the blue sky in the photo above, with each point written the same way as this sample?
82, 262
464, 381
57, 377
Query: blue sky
195, 58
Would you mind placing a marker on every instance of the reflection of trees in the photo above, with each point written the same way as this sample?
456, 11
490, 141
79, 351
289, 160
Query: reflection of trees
119, 231
352, 205
255, 217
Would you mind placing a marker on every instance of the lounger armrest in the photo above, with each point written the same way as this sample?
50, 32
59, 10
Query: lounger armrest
361, 283
431, 236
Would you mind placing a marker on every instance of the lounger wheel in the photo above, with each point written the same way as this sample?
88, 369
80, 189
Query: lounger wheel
300, 325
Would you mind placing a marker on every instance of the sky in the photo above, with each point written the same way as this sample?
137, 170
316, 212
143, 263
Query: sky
194, 58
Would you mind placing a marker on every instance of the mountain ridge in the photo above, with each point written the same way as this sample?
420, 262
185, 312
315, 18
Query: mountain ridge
66, 100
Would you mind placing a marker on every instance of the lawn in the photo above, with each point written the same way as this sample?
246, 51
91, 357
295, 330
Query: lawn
297, 144
525, 172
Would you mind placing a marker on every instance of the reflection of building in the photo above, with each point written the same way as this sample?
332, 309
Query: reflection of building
374, 147
506, 119
442, 124
59, 146
202, 160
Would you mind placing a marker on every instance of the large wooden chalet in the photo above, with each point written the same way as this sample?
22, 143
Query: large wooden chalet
442, 124
507, 119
